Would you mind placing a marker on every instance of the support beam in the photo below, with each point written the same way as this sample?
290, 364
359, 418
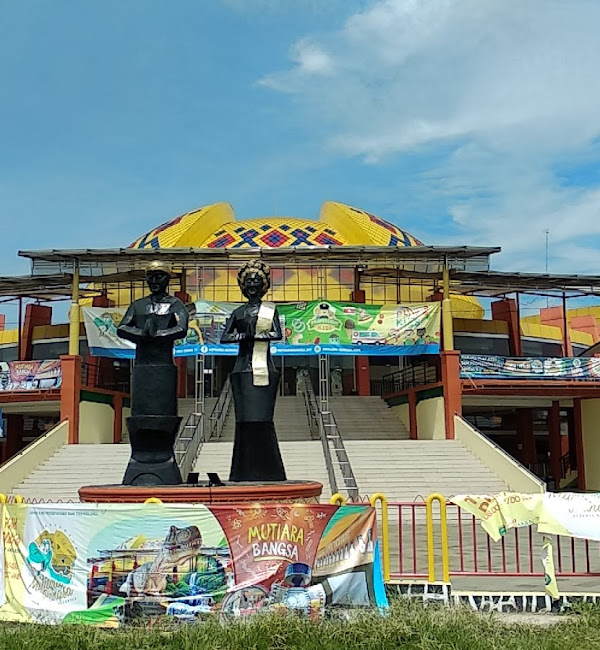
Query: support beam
74, 313
70, 393
526, 436
412, 414
450, 361
555, 446
118, 421
578, 431
447, 327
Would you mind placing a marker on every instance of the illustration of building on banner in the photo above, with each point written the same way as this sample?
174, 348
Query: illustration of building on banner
110, 564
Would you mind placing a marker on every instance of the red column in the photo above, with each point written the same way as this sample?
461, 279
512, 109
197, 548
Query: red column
34, 315
450, 361
181, 362
362, 366
578, 430
526, 436
412, 414
2, 322
14, 434
118, 421
555, 446
70, 392
506, 310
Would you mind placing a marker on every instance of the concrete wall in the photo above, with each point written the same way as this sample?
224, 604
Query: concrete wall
430, 419
516, 477
590, 425
21, 465
402, 413
96, 423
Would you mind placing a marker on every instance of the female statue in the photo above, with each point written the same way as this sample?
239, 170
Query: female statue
254, 379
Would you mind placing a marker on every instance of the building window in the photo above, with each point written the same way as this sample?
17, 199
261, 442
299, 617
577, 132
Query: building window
534, 348
470, 344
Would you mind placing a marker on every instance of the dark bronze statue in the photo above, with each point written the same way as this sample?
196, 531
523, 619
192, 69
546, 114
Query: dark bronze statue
154, 323
254, 379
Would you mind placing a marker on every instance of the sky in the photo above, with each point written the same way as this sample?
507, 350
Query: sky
462, 121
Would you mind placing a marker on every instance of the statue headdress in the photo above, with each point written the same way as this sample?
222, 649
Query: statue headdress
257, 267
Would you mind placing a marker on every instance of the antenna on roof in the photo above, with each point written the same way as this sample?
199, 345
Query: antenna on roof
547, 232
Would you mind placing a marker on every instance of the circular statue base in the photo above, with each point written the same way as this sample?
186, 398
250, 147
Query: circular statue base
277, 492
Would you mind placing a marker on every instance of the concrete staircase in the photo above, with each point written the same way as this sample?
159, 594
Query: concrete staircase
409, 470
366, 418
291, 422
382, 457
61, 476
302, 456
71, 466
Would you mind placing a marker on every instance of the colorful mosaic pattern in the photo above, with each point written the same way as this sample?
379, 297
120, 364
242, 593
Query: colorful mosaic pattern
273, 233
186, 230
380, 230
215, 226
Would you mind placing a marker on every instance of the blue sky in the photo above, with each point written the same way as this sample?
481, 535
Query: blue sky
462, 121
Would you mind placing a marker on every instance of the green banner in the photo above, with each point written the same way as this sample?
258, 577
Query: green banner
339, 323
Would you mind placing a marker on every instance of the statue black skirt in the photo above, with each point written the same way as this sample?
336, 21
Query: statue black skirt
256, 455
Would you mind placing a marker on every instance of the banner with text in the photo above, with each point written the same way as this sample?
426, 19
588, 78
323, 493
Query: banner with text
110, 564
474, 366
566, 514
310, 328
30, 375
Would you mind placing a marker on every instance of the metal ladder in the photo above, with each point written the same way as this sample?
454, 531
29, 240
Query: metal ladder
191, 435
330, 435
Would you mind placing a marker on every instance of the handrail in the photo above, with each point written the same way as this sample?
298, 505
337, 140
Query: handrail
324, 422
412, 376
220, 410
315, 420
191, 437
310, 404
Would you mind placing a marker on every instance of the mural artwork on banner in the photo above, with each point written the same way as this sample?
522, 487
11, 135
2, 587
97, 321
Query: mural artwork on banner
493, 367
113, 564
311, 328
30, 375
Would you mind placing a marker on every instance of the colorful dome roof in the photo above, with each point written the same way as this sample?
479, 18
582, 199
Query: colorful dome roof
214, 226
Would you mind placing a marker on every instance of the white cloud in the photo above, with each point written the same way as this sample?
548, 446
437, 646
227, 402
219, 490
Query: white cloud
511, 89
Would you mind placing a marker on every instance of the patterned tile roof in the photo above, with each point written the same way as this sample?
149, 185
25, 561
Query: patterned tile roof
215, 227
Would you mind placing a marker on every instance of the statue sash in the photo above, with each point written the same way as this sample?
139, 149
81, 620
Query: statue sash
264, 323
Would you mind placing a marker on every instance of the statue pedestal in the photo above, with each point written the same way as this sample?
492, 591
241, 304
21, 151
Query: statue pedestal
152, 460
253, 492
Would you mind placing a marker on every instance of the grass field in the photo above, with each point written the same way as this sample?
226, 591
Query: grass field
407, 626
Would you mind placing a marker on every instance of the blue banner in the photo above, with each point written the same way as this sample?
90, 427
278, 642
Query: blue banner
473, 366
282, 350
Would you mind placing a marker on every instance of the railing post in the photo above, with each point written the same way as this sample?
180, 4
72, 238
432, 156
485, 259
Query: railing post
385, 532
430, 541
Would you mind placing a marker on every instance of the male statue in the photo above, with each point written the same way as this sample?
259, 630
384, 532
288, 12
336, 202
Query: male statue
154, 323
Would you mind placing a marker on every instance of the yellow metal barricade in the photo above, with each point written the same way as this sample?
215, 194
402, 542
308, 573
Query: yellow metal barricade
337, 500
430, 538
385, 533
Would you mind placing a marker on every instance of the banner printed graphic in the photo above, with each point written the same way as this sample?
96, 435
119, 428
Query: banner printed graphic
310, 328
30, 375
109, 564
495, 367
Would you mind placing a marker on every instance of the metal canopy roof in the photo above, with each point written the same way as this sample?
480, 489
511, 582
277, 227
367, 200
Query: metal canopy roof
496, 283
46, 288
103, 262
